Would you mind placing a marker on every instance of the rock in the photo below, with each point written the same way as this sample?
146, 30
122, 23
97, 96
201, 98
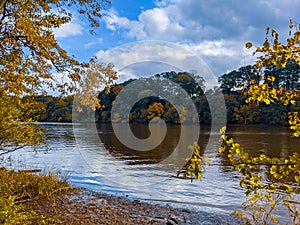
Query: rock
170, 222
101, 202
174, 219
186, 211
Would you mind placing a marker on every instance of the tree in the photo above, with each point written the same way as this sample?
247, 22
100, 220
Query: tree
155, 110
29, 57
14, 132
238, 80
186, 80
266, 179
237, 83
268, 182
146, 95
228, 82
232, 102
247, 113
286, 77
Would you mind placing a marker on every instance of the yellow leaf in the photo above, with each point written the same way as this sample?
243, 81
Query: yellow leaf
271, 78
248, 45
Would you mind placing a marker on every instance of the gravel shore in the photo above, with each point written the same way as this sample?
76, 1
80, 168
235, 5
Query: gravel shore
87, 207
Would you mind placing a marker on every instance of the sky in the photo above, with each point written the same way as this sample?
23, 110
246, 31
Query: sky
215, 31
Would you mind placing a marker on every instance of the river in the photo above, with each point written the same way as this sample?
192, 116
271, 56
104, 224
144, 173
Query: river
98, 161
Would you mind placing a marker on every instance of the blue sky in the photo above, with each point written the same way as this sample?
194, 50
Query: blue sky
215, 30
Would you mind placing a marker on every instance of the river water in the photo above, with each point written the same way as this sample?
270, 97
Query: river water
99, 162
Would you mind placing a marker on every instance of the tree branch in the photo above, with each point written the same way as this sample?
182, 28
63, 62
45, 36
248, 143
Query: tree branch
11, 150
4, 10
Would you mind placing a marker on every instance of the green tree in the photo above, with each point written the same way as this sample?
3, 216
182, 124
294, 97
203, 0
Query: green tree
186, 80
247, 113
238, 80
286, 77
232, 102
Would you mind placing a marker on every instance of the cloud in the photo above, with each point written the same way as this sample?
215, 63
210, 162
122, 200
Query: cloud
72, 28
214, 30
214, 48
93, 43
151, 24
158, 24
113, 22
147, 58
222, 55
195, 21
231, 18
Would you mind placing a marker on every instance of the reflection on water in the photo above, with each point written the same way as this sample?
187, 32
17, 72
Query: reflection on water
97, 160
170, 145
270, 140
120, 151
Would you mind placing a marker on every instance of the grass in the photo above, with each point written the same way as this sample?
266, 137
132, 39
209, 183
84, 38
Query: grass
17, 188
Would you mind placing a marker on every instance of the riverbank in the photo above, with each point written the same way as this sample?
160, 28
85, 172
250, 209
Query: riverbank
30, 198
86, 207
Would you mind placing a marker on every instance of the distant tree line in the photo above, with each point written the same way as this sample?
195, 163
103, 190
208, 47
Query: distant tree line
232, 85
155, 106
235, 82
55, 109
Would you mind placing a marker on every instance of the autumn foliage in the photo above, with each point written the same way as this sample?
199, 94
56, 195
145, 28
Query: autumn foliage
269, 182
32, 61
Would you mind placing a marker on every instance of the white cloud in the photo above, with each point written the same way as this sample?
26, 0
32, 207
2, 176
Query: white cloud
215, 48
215, 30
222, 55
124, 76
151, 24
93, 43
159, 24
72, 28
113, 22
195, 21
150, 57
155, 20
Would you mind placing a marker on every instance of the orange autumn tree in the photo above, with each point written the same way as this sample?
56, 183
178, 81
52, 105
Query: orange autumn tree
155, 110
31, 59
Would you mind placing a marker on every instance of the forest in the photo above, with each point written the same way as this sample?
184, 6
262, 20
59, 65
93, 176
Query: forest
233, 84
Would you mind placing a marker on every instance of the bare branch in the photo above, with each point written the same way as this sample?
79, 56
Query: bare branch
11, 150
